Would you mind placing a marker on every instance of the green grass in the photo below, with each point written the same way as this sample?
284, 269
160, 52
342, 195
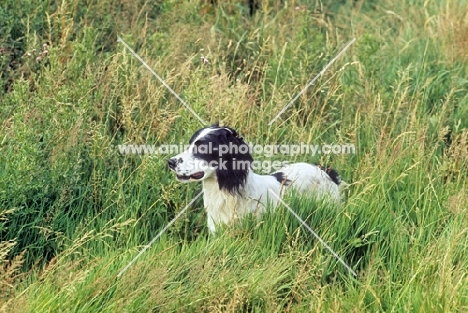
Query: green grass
74, 212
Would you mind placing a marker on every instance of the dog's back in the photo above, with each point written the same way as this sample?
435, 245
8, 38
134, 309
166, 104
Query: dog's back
311, 180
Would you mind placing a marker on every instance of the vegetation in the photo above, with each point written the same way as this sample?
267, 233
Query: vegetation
74, 211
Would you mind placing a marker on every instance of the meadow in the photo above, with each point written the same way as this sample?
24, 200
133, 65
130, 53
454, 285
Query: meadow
74, 211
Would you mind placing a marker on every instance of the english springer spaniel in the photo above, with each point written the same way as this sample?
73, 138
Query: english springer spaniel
221, 160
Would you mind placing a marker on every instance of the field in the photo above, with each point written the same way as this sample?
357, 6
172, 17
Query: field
74, 210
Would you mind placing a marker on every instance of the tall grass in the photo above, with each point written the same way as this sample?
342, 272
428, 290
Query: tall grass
74, 212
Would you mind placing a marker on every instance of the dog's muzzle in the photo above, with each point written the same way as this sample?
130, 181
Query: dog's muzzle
173, 162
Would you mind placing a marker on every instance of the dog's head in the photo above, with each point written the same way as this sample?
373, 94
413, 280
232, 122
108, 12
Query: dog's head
215, 152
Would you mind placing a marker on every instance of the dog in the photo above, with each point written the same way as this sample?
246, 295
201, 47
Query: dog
220, 159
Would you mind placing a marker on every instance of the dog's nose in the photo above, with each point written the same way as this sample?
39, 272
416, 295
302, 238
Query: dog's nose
172, 163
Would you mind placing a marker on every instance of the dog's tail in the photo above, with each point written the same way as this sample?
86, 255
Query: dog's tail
343, 188
343, 185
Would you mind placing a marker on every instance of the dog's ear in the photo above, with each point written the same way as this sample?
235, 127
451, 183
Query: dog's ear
235, 164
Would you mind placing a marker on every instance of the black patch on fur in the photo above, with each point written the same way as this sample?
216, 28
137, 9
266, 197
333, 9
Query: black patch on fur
234, 165
281, 178
334, 176
195, 135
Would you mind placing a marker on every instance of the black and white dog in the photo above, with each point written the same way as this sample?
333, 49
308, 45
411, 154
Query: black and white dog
220, 159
